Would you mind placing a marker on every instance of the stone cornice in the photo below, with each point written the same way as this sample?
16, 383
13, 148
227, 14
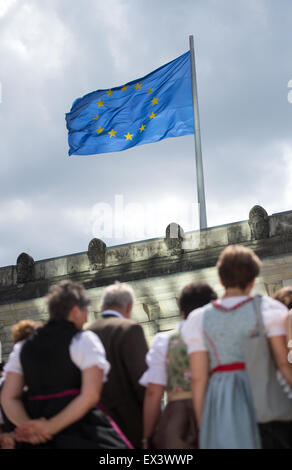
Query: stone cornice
197, 251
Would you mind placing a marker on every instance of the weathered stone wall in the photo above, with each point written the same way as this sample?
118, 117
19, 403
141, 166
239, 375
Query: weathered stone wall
156, 269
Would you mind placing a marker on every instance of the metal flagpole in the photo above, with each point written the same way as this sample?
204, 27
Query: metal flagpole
199, 162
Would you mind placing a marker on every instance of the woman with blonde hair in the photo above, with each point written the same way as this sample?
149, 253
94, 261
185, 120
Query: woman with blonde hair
19, 332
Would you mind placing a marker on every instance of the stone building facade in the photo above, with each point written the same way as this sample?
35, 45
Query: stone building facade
157, 270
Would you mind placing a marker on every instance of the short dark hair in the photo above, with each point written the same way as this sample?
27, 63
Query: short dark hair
62, 297
2, 364
238, 266
195, 295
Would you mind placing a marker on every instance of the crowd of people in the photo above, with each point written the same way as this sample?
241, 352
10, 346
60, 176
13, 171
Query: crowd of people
101, 388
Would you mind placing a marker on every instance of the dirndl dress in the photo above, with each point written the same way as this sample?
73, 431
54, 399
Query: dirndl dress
229, 417
53, 381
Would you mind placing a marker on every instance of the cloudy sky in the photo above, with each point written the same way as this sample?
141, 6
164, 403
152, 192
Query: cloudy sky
53, 51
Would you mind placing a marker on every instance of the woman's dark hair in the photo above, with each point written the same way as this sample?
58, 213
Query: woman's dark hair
195, 295
62, 297
238, 266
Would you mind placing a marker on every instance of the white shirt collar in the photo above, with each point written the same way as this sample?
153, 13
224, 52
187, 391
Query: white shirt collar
112, 313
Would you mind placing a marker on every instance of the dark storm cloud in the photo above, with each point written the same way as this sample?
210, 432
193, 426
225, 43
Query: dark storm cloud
55, 51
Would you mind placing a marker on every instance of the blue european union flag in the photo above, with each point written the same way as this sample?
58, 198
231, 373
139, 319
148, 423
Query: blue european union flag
145, 110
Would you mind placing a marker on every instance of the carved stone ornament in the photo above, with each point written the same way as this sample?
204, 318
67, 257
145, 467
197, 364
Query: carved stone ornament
96, 253
152, 310
174, 236
259, 223
24, 268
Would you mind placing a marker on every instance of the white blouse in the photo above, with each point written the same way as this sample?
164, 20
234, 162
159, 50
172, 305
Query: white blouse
274, 315
86, 350
156, 360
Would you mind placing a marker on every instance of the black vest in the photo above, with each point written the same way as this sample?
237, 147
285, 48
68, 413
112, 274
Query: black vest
48, 369
46, 362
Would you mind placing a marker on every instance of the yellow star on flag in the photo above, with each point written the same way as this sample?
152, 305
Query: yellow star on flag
138, 85
112, 133
99, 130
149, 91
124, 88
109, 93
96, 117
100, 103
154, 101
129, 136
142, 128
152, 116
